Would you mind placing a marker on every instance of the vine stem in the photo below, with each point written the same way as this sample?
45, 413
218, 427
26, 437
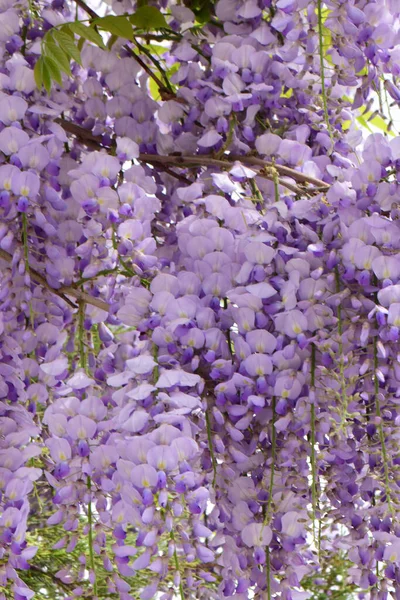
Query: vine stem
341, 357
177, 567
156, 373
62, 292
275, 179
210, 447
229, 137
267, 512
90, 534
268, 565
26, 261
83, 365
313, 459
273, 458
256, 191
381, 431
322, 68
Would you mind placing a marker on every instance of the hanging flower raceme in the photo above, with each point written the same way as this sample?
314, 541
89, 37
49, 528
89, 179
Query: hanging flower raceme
200, 305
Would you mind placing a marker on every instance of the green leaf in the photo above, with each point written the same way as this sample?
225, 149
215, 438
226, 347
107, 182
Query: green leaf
364, 123
154, 91
148, 17
66, 29
81, 43
156, 49
38, 73
202, 9
377, 122
53, 69
58, 55
111, 41
119, 26
68, 45
46, 76
87, 33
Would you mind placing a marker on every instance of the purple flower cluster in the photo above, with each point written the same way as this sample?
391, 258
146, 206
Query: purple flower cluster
200, 301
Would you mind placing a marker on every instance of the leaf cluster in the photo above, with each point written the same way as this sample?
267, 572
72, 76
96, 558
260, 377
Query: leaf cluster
64, 43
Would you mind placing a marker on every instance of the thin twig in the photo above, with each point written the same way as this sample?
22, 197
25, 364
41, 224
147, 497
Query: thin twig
165, 92
86, 8
62, 292
173, 174
282, 170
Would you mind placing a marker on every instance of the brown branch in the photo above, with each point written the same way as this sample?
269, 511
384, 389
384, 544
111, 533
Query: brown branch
94, 141
200, 160
173, 174
62, 292
209, 161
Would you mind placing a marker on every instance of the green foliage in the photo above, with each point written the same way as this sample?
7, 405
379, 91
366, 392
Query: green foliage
86, 33
148, 18
58, 49
42, 74
119, 26
203, 9
368, 118
42, 579
332, 582
62, 44
377, 121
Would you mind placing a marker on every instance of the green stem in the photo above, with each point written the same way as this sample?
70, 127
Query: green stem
256, 191
156, 372
176, 561
273, 458
229, 137
381, 432
276, 184
321, 56
210, 447
26, 261
344, 398
83, 280
379, 94
90, 534
127, 268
